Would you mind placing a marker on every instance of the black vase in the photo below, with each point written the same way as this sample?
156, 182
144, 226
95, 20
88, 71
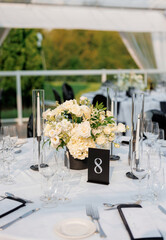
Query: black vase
77, 164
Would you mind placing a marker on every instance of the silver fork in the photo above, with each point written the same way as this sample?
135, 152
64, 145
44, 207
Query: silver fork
89, 213
97, 217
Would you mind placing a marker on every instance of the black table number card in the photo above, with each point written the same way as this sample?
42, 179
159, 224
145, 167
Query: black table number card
98, 165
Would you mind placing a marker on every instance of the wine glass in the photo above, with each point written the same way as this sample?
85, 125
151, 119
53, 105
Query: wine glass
155, 132
140, 168
151, 131
47, 169
8, 159
63, 174
154, 168
13, 135
161, 137
8, 156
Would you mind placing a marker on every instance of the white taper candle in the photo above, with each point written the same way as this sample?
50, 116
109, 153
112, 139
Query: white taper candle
137, 137
38, 116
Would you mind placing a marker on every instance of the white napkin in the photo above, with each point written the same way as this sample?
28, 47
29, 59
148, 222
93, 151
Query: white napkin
140, 223
7, 205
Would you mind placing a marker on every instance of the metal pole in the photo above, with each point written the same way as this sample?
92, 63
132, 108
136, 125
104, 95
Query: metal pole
146, 79
19, 98
103, 76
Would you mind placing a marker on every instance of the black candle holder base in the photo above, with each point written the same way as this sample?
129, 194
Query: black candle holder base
131, 175
114, 157
34, 167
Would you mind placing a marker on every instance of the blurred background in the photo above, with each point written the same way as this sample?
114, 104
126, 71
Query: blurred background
84, 44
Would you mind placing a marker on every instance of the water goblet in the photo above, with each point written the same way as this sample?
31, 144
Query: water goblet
8, 159
13, 135
47, 169
148, 131
161, 137
151, 131
63, 174
6, 136
140, 168
154, 168
155, 132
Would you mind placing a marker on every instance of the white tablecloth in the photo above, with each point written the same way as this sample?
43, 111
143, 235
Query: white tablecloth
41, 225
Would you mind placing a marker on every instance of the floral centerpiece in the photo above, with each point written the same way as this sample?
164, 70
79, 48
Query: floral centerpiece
80, 126
127, 80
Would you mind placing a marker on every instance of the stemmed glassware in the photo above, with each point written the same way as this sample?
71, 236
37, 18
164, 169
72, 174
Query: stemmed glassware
140, 168
8, 156
151, 131
63, 174
161, 137
48, 169
154, 168
13, 136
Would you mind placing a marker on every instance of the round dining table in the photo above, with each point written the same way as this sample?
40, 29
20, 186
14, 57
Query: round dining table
41, 225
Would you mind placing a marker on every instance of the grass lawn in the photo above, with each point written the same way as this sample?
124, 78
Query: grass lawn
79, 89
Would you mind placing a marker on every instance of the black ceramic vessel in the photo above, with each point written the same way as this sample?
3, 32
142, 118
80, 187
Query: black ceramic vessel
77, 164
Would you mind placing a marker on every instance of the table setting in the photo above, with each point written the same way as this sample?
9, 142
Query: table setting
57, 202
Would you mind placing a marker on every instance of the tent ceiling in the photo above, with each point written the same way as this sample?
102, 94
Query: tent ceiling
19, 15
150, 4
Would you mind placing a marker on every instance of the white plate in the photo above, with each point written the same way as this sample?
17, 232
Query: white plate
75, 228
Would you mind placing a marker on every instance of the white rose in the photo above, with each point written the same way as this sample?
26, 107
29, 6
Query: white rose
86, 111
46, 113
101, 139
107, 130
47, 128
121, 127
58, 128
55, 142
97, 131
84, 129
82, 98
109, 114
76, 110
52, 133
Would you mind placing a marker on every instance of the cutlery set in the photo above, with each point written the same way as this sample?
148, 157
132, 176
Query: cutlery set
10, 195
93, 213
19, 218
110, 206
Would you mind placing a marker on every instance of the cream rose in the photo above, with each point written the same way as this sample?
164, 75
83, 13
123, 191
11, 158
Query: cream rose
121, 127
47, 128
86, 111
107, 130
101, 139
52, 133
84, 129
55, 142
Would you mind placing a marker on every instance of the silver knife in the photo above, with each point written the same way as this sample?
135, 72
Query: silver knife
19, 218
163, 210
17, 198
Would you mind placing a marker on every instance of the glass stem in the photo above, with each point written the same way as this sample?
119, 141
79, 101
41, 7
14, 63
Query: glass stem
139, 189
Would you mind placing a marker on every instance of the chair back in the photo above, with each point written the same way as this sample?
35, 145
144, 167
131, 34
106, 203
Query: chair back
100, 99
157, 116
67, 91
56, 96
30, 127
